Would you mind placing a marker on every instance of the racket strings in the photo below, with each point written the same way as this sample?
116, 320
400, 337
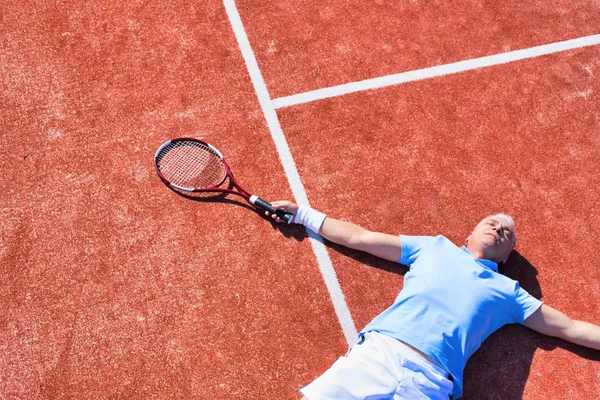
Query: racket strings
192, 165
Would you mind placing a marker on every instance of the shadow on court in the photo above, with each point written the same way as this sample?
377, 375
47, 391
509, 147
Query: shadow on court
289, 231
501, 367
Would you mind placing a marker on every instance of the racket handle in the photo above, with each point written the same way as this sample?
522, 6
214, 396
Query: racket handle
265, 205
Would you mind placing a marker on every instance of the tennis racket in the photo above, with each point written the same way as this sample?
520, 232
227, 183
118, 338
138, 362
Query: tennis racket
191, 165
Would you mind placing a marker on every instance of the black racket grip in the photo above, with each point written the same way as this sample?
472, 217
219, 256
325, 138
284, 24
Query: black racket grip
265, 205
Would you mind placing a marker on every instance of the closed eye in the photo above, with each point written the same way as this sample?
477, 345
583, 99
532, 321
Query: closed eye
504, 229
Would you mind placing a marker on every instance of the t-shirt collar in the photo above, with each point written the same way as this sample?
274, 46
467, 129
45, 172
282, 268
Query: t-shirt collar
486, 263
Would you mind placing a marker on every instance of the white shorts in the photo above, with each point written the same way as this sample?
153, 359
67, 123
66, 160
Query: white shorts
377, 368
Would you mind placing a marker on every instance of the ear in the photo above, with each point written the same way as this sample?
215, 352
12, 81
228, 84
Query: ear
468, 238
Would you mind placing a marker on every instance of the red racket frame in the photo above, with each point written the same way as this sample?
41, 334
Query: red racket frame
252, 199
242, 192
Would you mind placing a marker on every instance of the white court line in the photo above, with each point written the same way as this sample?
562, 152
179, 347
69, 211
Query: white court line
431, 72
331, 281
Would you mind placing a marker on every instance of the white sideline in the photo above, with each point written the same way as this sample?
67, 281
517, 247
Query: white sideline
331, 281
269, 106
432, 72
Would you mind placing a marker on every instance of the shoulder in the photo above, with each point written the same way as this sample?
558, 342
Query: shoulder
443, 241
419, 243
414, 246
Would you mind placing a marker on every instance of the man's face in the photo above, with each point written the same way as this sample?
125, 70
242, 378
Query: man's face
494, 238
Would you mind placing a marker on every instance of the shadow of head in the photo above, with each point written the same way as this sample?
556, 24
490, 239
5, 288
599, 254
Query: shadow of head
501, 367
518, 268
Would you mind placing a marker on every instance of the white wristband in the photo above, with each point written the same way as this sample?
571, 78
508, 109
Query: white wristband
312, 219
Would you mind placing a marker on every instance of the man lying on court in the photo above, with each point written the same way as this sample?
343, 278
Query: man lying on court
453, 298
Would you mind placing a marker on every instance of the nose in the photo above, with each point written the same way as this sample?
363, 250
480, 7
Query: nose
498, 229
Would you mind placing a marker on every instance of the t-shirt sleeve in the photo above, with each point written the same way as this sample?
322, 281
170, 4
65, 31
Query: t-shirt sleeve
525, 304
412, 246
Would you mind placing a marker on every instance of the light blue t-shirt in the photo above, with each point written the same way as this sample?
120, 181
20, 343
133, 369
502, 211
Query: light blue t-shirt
450, 303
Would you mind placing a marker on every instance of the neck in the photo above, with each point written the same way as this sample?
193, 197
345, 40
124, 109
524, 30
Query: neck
476, 253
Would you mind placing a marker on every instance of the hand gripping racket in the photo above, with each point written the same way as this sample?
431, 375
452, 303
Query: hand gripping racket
192, 165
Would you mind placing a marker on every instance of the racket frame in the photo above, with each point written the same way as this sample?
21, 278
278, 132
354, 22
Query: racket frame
252, 199
213, 189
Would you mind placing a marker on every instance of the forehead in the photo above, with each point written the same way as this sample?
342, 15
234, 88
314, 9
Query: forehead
499, 219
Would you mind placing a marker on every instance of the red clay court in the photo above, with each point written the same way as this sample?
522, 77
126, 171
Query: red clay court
405, 117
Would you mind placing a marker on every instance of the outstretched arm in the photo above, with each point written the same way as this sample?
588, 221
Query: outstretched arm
552, 322
351, 235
